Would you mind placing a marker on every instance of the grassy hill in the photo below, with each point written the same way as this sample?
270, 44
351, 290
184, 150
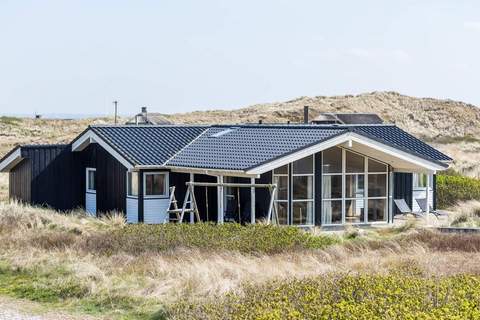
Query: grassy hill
451, 126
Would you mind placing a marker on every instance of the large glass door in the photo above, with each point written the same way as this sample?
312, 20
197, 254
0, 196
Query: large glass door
294, 200
354, 188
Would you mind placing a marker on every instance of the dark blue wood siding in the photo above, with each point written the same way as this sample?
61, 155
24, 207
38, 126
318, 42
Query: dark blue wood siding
402, 188
318, 189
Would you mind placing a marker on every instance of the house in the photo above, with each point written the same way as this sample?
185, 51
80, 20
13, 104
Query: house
347, 118
144, 118
293, 174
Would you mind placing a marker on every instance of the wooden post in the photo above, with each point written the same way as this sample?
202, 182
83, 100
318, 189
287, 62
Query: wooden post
270, 206
220, 200
192, 220
390, 194
274, 208
252, 202
427, 211
184, 206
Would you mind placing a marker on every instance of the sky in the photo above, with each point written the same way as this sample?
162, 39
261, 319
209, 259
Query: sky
76, 57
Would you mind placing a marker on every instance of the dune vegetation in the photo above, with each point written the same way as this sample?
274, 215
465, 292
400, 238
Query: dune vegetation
103, 268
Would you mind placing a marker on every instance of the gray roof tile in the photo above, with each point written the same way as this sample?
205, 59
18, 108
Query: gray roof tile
396, 137
248, 146
148, 145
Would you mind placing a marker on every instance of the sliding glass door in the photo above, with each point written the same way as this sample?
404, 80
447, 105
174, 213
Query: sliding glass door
354, 188
294, 200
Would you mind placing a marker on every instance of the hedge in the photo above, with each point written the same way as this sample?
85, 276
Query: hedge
454, 188
367, 297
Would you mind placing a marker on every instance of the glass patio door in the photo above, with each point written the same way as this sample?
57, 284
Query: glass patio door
354, 188
294, 200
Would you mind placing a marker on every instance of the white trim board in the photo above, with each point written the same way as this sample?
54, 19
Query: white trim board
11, 161
346, 138
210, 172
91, 137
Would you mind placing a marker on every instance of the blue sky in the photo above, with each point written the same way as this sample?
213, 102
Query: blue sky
177, 56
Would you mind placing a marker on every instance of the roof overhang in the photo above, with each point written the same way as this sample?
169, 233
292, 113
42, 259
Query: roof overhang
395, 157
8, 162
211, 172
88, 137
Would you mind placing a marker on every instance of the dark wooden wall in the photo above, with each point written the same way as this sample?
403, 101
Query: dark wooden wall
52, 176
403, 188
318, 189
110, 178
20, 178
203, 197
262, 196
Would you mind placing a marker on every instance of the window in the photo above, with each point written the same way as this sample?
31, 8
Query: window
155, 184
375, 166
280, 177
355, 193
295, 181
332, 160
355, 163
420, 180
302, 191
91, 184
132, 184
377, 185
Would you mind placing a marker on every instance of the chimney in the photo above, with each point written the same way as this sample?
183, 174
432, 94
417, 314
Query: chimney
260, 121
144, 115
305, 114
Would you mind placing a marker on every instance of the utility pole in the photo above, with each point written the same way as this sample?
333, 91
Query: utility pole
115, 103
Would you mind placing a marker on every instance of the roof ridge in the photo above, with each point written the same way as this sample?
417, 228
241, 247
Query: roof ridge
148, 125
112, 145
303, 126
188, 144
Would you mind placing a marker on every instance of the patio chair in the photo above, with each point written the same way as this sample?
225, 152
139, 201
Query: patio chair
405, 209
422, 203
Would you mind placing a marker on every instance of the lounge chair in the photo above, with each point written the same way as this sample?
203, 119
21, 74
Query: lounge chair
405, 209
422, 203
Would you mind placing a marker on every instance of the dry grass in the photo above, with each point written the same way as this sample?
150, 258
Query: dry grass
449, 125
3, 186
40, 238
466, 214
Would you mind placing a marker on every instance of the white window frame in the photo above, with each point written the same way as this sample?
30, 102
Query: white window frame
128, 181
312, 200
365, 197
159, 196
87, 174
416, 179
288, 190
290, 195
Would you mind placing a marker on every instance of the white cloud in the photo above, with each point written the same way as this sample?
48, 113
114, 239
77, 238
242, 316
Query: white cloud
362, 53
398, 55
472, 25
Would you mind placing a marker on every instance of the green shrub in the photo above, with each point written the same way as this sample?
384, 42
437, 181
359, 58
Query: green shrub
9, 120
59, 287
37, 286
141, 238
452, 189
394, 296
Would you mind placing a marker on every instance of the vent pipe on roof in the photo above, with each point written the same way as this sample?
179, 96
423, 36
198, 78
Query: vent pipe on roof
305, 114
260, 121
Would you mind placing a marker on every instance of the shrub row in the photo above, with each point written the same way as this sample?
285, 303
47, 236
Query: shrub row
392, 296
140, 238
453, 188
